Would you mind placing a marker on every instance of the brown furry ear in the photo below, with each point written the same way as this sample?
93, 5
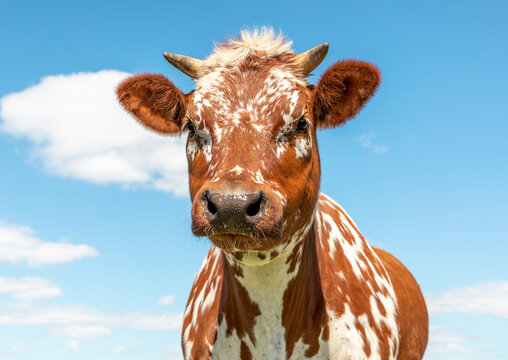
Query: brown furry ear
154, 101
343, 90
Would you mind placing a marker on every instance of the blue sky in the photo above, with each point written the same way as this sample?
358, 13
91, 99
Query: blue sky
96, 254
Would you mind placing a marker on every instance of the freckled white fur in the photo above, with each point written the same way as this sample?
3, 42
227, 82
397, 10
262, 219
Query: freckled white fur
303, 147
345, 341
261, 275
192, 149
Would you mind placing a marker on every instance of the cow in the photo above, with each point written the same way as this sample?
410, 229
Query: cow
288, 275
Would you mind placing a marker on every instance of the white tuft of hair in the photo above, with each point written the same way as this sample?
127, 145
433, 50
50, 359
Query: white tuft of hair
262, 42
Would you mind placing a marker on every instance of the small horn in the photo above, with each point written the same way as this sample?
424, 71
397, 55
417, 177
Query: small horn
311, 59
185, 64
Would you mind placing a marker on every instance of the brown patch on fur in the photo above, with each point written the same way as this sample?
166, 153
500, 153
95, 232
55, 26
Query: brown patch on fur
273, 254
245, 353
413, 318
304, 313
236, 307
343, 90
238, 255
154, 101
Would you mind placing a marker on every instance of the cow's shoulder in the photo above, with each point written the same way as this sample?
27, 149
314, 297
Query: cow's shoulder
358, 292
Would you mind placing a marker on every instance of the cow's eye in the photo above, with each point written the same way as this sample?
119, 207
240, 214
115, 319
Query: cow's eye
301, 126
190, 128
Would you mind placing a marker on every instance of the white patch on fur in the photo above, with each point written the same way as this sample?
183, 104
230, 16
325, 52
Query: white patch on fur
237, 170
281, 197
303, 147
260, 128
345, 341
300, 349
192, 149
259, 178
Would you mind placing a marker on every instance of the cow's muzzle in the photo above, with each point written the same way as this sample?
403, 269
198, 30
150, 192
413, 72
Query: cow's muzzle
233, 213
238, 219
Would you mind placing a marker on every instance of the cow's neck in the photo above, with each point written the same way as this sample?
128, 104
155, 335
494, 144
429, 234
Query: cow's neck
269, 305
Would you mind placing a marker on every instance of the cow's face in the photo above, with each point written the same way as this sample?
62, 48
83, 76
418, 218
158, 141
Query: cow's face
251, 143
253, 160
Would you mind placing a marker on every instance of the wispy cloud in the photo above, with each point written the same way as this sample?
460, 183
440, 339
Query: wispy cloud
76, 334
366, 141
484, 298
446, 341
118, 350
19, 244
166, 300
77, 129
29, 288
14, 350
81, 322
70, 315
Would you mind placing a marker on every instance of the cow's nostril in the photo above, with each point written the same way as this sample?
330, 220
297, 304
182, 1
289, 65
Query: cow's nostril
253, 209
211, 206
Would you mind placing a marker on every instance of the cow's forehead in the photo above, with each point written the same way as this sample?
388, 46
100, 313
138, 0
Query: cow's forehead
261, 94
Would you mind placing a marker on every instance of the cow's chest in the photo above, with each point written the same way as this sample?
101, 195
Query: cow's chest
270, 343
345, 342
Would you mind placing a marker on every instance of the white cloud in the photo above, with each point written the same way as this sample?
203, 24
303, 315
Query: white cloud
78, 130
81, 315
79, 323
78, 333
118, 350
29, 288
13, 351
366, 142
486, 298
18, 244
82, 332
447, 341
166, 300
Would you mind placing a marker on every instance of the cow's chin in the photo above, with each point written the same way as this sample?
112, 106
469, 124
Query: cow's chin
249, 250
231, 243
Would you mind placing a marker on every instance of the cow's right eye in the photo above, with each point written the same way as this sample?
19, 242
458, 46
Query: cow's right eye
190, 128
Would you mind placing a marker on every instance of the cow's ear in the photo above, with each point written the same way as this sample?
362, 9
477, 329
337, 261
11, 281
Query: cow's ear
154, 101
343, 90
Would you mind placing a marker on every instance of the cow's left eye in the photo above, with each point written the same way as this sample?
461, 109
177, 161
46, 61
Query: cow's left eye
301, 126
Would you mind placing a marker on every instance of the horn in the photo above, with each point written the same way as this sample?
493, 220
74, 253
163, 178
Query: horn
185, 64
311, 59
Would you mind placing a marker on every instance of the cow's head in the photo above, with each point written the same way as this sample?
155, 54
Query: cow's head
251, 134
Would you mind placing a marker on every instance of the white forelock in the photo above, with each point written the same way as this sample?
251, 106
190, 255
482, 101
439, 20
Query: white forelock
261, 42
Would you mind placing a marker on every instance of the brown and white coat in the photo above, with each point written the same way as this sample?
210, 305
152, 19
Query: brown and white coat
289, 276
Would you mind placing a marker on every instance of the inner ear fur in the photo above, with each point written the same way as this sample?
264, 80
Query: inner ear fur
343, 90
154, 101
